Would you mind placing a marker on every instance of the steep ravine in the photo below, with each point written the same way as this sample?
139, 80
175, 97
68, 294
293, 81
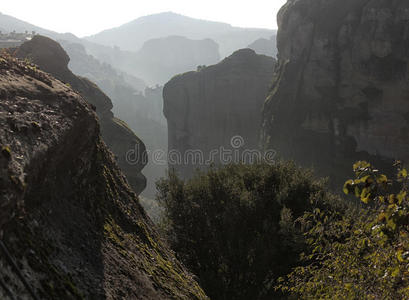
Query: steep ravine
340, 89
68, 217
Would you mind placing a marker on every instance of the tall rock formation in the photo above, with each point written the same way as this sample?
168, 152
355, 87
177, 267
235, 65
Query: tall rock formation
207, 108
70, 222
340, 91
52, 58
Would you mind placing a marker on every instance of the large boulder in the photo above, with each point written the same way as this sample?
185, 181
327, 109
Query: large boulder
207, 108
51, 57
340, 91
72, 226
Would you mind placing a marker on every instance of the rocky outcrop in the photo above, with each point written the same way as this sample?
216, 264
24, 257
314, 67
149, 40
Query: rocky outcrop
207, 108
52, 58
340, 91
69, 219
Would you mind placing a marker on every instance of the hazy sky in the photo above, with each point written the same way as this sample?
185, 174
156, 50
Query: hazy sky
85, 17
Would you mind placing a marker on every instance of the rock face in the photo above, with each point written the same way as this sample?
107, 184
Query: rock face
68, 217
340, 91
52, 58
160, 59
207, 108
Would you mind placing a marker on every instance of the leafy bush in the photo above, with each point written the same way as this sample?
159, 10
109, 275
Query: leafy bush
234, 226
361, 254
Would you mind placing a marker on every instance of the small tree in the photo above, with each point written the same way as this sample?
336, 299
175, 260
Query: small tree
364, 253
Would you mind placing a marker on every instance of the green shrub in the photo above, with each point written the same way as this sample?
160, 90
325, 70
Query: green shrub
233, 226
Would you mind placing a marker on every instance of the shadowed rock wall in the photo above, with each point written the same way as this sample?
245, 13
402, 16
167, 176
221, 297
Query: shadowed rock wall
340, 90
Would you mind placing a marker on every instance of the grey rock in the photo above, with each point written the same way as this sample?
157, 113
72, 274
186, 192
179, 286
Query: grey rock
340, 91
207, 108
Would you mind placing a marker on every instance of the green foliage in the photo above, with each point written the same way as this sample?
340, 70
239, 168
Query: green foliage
234, 226
360, 254
368, 184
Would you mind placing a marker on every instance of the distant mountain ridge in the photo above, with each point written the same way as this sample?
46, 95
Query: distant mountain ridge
110, 46
132, 35
9, 23
176, 27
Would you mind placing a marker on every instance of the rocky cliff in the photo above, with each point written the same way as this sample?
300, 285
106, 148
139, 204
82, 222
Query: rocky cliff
207, 108
52, 58
340, 91
70, 222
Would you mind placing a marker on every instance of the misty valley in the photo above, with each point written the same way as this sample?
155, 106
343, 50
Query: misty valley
174, 157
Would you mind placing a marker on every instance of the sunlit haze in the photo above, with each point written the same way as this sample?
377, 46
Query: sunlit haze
89, 17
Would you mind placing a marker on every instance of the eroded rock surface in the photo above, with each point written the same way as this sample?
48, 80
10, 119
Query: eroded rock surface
207, 108
68, 216
52, 58
340, 91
